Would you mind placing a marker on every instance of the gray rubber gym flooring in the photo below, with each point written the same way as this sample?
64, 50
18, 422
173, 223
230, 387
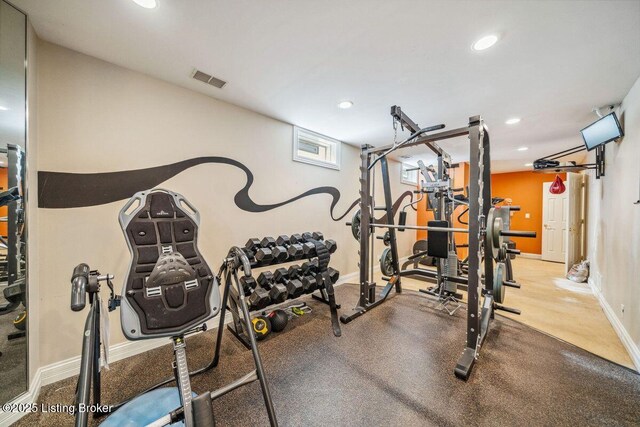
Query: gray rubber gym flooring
13, 361
392, 366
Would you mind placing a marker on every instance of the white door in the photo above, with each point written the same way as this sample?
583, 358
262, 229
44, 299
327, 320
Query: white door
554, 224
575, 219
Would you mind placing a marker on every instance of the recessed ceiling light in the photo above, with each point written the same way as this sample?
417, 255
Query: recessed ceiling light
523, 148
147, 4
513, 121
345, 104
485, 42
3, 108
528, 164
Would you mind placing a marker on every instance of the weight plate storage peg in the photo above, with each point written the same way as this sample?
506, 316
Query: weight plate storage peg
502, 253
498, 286
387, 238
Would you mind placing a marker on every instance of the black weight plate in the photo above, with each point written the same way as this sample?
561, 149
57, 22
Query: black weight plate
386, 262
355, 225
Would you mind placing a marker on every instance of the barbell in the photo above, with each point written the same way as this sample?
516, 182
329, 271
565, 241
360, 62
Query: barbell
494, 230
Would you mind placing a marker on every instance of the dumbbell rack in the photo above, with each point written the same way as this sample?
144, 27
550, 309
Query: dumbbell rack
274, 289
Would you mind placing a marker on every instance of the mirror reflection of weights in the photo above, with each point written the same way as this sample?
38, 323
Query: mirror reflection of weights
13, 301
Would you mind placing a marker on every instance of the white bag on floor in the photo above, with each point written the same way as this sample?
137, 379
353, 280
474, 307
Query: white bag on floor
579, 273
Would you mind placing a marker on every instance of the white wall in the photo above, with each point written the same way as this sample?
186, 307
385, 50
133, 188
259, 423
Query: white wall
613, 227
94, 116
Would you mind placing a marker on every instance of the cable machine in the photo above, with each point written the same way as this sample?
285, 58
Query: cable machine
481, 304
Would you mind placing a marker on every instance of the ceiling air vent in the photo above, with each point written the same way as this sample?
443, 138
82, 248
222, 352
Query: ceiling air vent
206, 78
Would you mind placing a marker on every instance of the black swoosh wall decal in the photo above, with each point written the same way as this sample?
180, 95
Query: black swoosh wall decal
60, 190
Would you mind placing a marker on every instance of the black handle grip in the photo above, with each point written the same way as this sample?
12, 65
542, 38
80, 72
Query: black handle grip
79, 281
402, 219
242, 257
512, 208
516, 233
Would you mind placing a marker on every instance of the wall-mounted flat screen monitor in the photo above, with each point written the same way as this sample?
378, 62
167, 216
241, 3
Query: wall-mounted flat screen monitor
604, 130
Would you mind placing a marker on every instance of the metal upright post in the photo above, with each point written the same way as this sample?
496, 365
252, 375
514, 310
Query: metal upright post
182, 378
97, 342
486, 204
388, 200
223, 310
438, 215
439, 209
367, 291
246, 317
372, 236
83, 389
467, 360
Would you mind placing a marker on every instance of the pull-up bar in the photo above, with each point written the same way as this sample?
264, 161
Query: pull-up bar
428, 140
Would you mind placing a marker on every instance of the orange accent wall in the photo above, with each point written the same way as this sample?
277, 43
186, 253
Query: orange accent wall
523, 188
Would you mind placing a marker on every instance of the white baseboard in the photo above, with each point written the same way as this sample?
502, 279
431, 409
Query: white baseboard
531, 256
64, 369
25, 400
68, 368
627, 341
348, 278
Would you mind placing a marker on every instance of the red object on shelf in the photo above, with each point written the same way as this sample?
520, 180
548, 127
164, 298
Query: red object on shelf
558, 186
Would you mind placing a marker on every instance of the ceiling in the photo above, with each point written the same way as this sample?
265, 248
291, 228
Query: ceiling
294, 60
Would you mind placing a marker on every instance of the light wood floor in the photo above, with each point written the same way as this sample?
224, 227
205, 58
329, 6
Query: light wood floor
558, 307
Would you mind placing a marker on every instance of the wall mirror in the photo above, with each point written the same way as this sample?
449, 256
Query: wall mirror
13, 242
